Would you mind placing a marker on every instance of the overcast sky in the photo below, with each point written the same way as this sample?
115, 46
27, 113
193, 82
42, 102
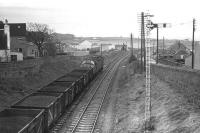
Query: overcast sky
105, 17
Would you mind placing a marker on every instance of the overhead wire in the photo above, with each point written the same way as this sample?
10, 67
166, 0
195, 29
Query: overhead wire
182, 23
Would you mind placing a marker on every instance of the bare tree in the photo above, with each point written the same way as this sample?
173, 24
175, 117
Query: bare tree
39, 34
51, 48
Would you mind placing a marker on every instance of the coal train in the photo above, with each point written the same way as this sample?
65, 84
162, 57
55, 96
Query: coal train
37, 112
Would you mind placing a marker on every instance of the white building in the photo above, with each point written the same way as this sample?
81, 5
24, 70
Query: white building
107, 47
88, 44
5, 53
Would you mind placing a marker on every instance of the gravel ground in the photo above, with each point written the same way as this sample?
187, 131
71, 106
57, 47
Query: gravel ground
124, 110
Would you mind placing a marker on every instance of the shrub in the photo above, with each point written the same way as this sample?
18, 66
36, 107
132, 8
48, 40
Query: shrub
132, 58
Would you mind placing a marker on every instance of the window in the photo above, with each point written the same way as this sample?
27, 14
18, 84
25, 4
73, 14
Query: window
20, 38
36, 54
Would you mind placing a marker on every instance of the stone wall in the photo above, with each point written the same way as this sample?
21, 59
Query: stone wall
183, 80
28, 67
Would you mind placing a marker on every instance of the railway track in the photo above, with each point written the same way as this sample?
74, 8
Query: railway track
83, 114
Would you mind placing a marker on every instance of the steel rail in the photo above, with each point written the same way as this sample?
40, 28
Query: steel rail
60, 123
94, 111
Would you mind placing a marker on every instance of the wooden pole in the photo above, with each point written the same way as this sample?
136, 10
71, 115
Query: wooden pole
131, 45
157, 46
193, 30
101, 49
141, 51
163, 44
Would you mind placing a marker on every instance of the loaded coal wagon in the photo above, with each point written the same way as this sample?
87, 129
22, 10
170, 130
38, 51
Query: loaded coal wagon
67, 88
52, 103
77, 80
13, 120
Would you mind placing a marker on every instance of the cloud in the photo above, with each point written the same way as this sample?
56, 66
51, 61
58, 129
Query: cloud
101, 17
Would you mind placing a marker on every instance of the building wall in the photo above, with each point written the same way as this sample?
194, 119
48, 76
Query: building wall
84, 45
188, 60
4, 55
18, 55
119, 47
197, 57
19, 44
107, 47
182, 80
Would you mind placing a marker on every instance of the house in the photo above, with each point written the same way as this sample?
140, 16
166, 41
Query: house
18, 42
88, 44
69, 45
166, 54
107, 47
84, 45
181, 54
188, 59
178, 46
119, 47
17, 29
178, 52
60, 47
28, 49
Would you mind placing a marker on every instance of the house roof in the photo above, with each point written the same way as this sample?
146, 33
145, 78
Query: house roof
91, 41
17, 29
182, 52
108, 44
119, 45
20, 41
70, 42
177, 47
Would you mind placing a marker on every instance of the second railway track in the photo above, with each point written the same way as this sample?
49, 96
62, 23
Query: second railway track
83, 117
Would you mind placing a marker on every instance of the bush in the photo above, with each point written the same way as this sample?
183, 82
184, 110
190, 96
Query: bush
51, 48
29, 57
62, 53
132, 58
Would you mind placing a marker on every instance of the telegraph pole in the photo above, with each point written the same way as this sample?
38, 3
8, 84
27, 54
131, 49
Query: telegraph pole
193, 30
153, 49
144, 42
101, 49
163, 44
157, 45
138, 42
142, 32
131, 45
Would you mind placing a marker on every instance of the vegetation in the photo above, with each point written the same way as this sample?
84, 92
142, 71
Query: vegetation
132, 58
39, 34
51, 48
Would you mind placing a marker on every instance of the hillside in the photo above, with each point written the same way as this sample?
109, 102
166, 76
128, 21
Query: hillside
62, 37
